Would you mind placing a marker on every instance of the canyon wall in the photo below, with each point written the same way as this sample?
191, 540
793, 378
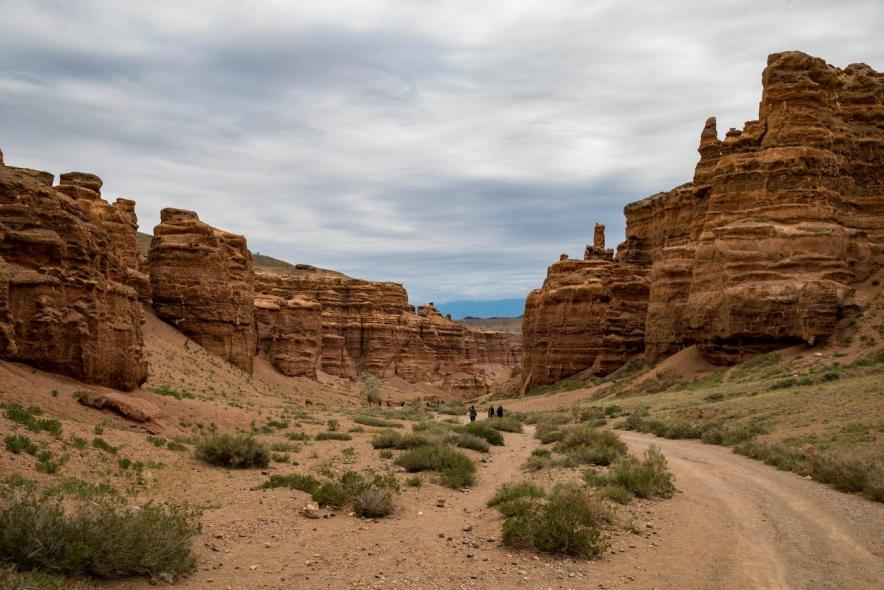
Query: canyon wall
202, 283
69, 279
762, 249
370, 326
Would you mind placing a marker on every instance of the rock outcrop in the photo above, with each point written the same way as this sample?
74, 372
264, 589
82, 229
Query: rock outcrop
589, 314
762, 249
290, 333
370, 326
67, 302
202, 283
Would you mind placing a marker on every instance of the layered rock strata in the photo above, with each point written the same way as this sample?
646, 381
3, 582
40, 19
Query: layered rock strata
763, 248
67, 303
289, 332
589, 314
202, 283
370, 326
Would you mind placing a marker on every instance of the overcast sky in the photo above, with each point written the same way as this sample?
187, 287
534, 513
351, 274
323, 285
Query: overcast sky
457, 147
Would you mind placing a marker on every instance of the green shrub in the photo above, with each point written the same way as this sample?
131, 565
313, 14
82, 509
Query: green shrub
452, 409
729, 435
100, 539
386, 454
378, 422
10, 579
280, 457
333, 425
506, 424
649, 478
456, 470
175, 446
236, 451
18, 443
28, 417
537, 462
168, 391
483, 430
352, 485
157, 441
78, 443
390, 439
284, 447
333, 436
469, 441
297, 436
587, 445
512, 491
295, 481
414, 482
569, 522
100, 443
373, 503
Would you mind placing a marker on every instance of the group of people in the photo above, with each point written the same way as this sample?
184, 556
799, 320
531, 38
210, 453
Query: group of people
491, 412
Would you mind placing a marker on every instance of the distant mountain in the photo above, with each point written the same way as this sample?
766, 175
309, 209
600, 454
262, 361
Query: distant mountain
498, 308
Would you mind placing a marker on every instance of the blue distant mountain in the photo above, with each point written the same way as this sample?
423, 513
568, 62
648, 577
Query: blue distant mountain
498, 308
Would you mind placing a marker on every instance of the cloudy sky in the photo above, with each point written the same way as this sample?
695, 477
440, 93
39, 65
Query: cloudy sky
455, 146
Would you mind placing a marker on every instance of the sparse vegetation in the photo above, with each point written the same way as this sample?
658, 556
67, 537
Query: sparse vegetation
236, 451
100, 539
505, 424
30, 418
483, 430
649, 478
294, 481
100, 443
20, 443
333, 436
568, 520
456, 470
390, 439
377, 422
167, 391
370, 497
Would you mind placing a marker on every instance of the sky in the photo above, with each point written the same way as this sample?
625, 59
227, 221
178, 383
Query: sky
454, 146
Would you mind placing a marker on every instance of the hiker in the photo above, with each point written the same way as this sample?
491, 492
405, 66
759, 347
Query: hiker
500, 411
491, 411
472, 413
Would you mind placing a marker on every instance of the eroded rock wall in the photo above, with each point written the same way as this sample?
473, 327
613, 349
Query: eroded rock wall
202, 283
67, 303
761, 250
289, 332
370, 326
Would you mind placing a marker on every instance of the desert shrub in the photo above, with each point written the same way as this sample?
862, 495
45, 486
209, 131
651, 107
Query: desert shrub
28, 417
157, 441
569, 522
294, 481
20, 443
175, 446
469, 441
512, 491
280, 457
101, 539
391, 439
373, 503
352, 485
236, 451
10, 579
302, 436
783, 383
506, 424
386, 454
284, 447
78, 442
649, 478
414, 482
730, 434
593, 415
483, 430
456, 470
333, 425
613, 410
584, 444
676, 428
333, 436
537, 462
378, 422
843, 472
777, 455
452, 409
100, 443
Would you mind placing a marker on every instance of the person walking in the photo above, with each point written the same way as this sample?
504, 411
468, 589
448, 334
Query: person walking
500, 411
473, 413
491, 411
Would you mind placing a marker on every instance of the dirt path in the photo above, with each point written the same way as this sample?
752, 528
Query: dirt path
747, 525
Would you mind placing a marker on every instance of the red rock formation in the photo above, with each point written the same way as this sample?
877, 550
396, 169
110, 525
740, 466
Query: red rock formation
202, 283
371, 326
64, 302
589, 314
290, 333
761, 249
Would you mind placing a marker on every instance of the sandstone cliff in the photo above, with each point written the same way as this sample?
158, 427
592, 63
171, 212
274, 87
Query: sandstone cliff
761, 250
202, 283
68, 298
370, 326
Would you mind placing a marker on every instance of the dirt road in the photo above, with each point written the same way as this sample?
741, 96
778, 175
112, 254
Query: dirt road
747, 525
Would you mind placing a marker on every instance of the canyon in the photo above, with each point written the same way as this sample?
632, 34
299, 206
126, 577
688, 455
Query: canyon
73, 283
762, 250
